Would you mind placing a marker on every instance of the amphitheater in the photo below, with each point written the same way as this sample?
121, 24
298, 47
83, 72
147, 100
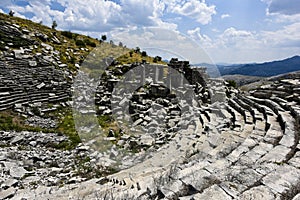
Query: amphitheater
245, 146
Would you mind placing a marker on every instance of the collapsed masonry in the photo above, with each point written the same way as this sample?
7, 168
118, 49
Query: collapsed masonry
245, 148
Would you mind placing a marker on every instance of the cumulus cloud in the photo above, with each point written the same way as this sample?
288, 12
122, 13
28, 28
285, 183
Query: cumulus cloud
289, 36
91, 15
233, 33
164, 42
141, 13
232, 38
196, 35
197, 10
280, 18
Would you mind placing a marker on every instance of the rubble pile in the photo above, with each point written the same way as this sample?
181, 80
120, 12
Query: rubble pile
189, 136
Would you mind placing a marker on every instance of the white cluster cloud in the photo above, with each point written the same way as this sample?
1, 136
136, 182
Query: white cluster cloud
164, 42
289, 36
204, 40
230, 38
233, 33
106, 15
233, 44
78, 15
197, 10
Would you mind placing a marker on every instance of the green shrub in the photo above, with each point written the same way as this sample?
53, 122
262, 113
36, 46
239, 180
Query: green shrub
105, 120
144, 53
67, 34
89, 43
232, 83
157, 59
80, 43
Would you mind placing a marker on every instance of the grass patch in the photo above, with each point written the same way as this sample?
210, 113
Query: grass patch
12, 121
66, 126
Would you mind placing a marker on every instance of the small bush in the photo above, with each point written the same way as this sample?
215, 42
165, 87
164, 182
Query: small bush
232, 83
72, 60
80, 43
36, 111
89, 43
67, 34
144, 53
104, 120
157, 59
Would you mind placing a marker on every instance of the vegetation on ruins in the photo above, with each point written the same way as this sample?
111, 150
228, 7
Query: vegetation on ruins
73, 48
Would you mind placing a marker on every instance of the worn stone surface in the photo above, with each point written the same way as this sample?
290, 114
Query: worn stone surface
259, 192
223, 144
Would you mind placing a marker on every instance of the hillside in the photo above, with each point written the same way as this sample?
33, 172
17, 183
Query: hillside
242, 79
263, 69
47, 52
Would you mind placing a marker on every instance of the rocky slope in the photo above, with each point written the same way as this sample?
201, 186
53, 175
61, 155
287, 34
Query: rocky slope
197, 139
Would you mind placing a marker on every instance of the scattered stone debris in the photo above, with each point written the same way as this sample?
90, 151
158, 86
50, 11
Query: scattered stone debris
223, 144
44, 123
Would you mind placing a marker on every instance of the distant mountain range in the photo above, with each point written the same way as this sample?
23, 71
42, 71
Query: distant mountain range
262, 69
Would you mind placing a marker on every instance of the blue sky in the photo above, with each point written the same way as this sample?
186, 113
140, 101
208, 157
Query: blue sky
230, 31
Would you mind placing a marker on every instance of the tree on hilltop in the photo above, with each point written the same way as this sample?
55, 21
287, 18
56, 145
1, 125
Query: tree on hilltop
137, 50
54, 24
103, 37
144, 53
11, 13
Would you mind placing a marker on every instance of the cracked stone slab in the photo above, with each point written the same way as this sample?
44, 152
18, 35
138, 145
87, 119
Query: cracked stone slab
9, 193
213, 192
278, 154
259, 192
282, 179
295, 161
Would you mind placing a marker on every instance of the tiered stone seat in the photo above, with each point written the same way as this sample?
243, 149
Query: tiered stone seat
285, 119
237, 118
247, 148
22, 83
238, 108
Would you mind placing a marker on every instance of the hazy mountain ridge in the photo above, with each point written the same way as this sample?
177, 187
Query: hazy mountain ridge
263, 69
